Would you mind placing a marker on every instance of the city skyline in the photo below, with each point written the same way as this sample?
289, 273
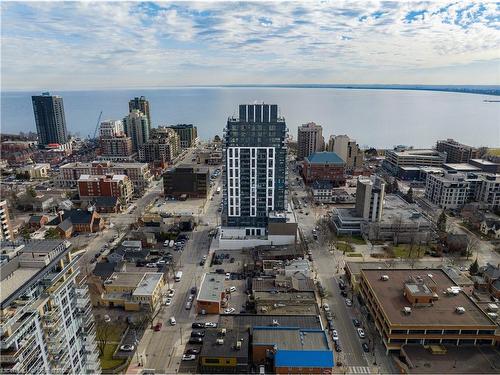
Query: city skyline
185, 43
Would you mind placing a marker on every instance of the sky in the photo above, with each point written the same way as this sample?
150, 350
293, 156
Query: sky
92, 45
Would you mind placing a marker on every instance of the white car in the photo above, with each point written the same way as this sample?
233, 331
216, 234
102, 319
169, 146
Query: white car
188, 357
127, 348
335, 335
172, 321
171, 293
230, 310
326, 307
151, 265
107, 318
348, 302
361, 333
167, 301
228, 276
210, 325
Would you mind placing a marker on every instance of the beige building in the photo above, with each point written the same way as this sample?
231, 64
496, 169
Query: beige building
133, 290
136, 126
35, 171
347, 149
309, 139
6, 232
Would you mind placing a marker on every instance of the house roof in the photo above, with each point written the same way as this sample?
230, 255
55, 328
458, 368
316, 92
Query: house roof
65, 225
104, 269
35, 219
304, 358
493, 272
325, 157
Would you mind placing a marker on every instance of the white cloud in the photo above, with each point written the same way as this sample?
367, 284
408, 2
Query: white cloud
83, 44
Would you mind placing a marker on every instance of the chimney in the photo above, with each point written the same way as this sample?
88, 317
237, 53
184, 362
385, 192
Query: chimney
60, 215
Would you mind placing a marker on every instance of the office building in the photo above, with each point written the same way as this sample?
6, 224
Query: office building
138, 173
93, 186
370, 194
188, 134
488, 191
309, 140
194, 182
162, 147
46, 316
348, 150
324, 166
49, 118
225, 351
396, 160
111, 128
136, 126
423, 306
142, 105
486, 165
456, 152
6, 232
255, 180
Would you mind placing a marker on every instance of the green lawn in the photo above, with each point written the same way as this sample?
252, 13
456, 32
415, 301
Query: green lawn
354, 255
344, 247
114, 331
358, 240
107, 361
403, 251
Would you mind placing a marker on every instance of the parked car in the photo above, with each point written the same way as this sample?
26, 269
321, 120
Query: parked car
229, 311
356, 323
326, 307
158, 326
167, 301
172, 321
189, 304
198, 334
195, 340
193, 290
228, 276
335, 335
190, 298
171, 293
348, 302
210, 325
343, 293
107, 318
192, 351
366, 348
361, 333
127, 348
198, 325
188, 357
338, 348
219, 270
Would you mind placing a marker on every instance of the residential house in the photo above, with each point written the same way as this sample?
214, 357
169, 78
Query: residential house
37, 221
490, 227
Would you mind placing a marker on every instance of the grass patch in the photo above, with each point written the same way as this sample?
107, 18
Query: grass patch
494, 151
403, 251
354, 255
344, 247
110, 331
358, 240
107, 361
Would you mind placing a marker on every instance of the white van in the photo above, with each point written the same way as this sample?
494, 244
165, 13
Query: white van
178, 276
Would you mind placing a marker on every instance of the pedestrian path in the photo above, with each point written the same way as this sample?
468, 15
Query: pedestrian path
358, 370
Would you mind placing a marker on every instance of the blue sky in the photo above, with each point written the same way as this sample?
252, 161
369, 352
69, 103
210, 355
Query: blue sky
83, 45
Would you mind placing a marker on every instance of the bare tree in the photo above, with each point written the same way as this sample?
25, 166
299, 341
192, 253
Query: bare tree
103, 334
472, 245
396, 228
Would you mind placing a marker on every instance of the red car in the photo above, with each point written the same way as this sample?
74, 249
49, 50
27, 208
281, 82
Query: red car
158, 326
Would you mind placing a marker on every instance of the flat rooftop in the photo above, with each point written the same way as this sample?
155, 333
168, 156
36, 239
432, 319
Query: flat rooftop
246, 321
290, 338
483, 162
461, 167
227, 349
125, 279
389, 295
211, 288
395, 207
148, 284
417, 152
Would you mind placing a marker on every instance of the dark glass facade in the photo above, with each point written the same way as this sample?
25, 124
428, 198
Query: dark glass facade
49, 118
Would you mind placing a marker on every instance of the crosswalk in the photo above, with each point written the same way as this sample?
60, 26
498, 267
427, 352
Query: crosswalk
358, 370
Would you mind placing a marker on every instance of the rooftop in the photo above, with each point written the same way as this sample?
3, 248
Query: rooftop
148, 284
430, 153
395, 207
461, 167
442, 312
290, 338
304, 358
483, 162
248, 321
227, 348
325, 157
126, 279
211, 288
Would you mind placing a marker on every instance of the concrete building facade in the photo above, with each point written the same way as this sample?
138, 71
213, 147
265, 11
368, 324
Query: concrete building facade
136, 126
456, 152
309, 140
348, 150
142, 105
162, 147
6, 231
188, 134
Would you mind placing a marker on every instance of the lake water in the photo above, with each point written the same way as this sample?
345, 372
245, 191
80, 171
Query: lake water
380, 118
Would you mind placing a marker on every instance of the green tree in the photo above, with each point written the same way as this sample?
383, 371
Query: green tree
52, 234
31, 192
441, 222
474, 268
25, 232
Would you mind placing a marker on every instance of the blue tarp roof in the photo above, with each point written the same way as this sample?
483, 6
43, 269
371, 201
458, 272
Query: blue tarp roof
325, 158
303, 358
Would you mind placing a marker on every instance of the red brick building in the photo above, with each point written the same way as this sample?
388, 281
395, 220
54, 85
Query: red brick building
324, 166
92, 186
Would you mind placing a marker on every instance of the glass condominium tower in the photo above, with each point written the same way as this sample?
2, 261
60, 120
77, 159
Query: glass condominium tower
255, 175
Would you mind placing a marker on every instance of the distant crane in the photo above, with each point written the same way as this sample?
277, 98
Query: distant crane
97, 125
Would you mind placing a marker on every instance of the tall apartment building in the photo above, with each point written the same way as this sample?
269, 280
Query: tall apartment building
116, 146
370, 193
111, 128
255, 180
188, 134
456, 152
452, 190
46, 318
49, 118
309, 139
142, 105
136, 126
6, 232
92, 186
348, 150
139, 173
162, 147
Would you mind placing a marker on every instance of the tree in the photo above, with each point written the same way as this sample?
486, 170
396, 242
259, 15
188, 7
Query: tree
441, 223
474, 268
25, 232
103, 334
52, 234
395, 186
31, 192
472, 245
409, 195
